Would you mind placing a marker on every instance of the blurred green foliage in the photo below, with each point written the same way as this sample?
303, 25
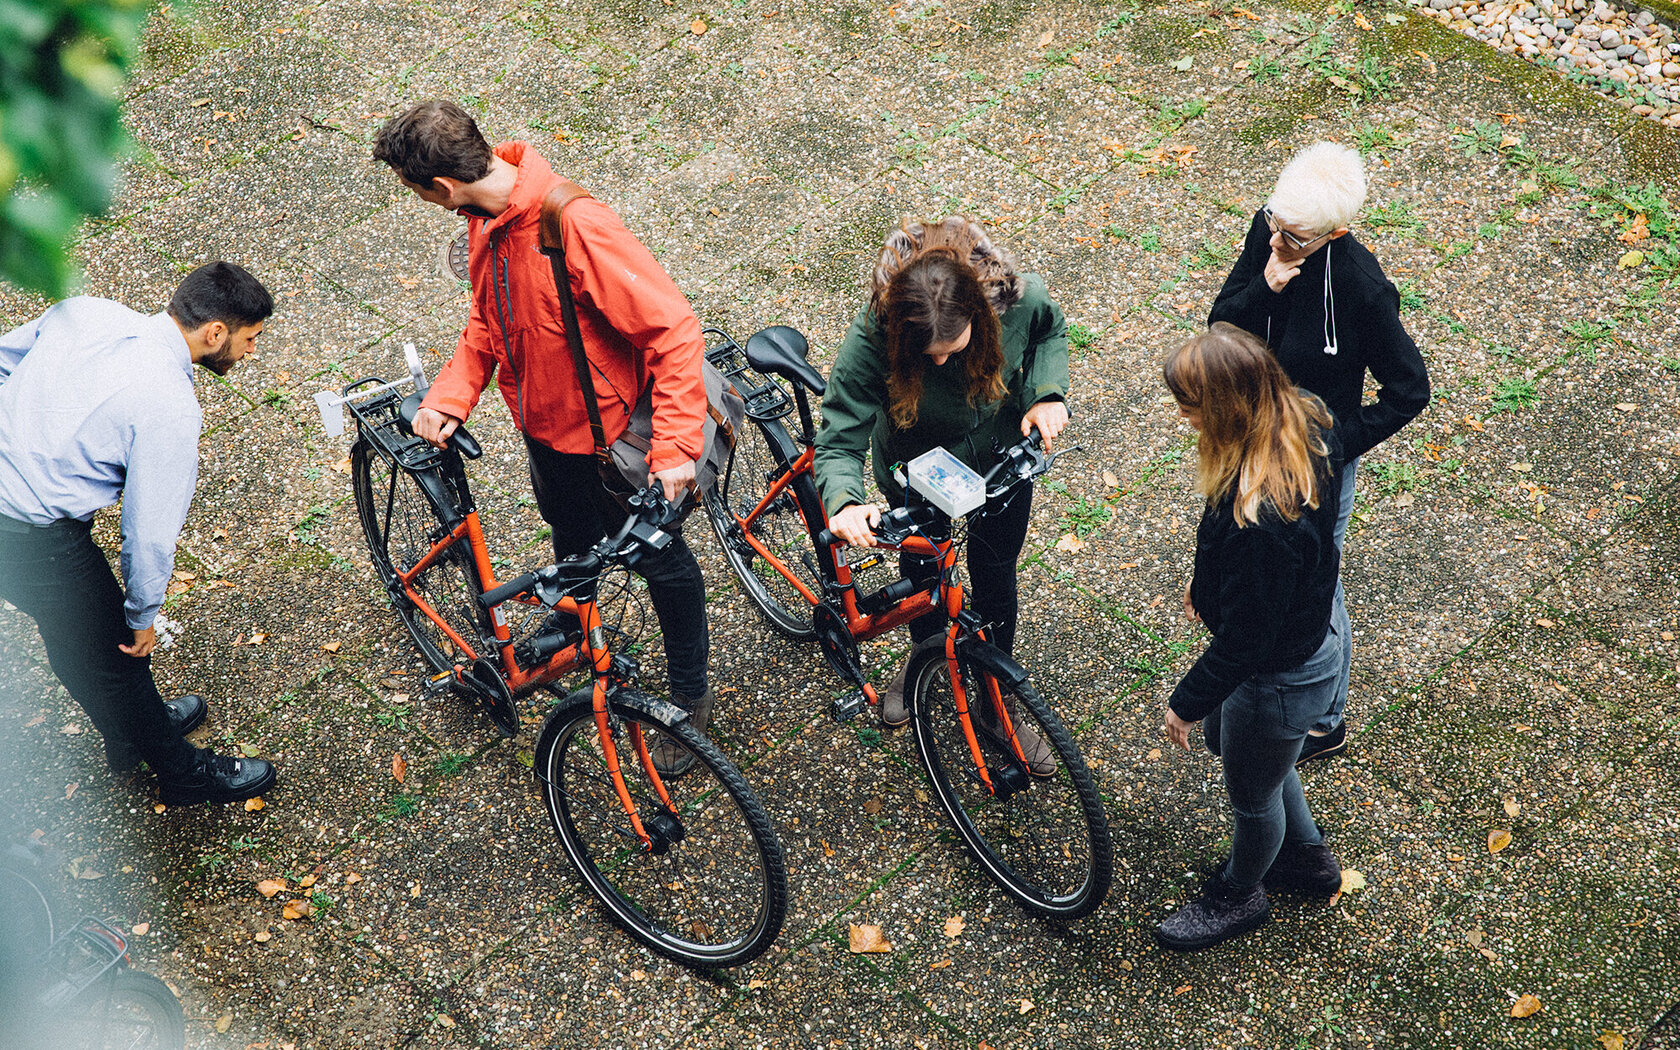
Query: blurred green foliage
62, 66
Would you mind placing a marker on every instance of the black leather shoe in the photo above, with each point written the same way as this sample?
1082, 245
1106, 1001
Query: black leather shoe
1312, 871
186, 713
1331, 743
1220, 913
217, 778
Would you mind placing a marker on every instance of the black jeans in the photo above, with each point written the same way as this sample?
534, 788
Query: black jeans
60, 578
577, 506
995, 537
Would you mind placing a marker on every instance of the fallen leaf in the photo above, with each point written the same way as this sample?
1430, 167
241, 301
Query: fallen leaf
1489, 954
1352, 881
445, 1021
756, 983
940, 965
140, 929
1045, 37
307, 881
342, 466
1111, 479
1522, 468
1362, 22
224, 1022
254, 804
1543, 622
1512, 807
1498, 839
399, 768
1069, 544
1405, 499
1126, 964
867, 940
249, 750
1526, 1006
264, 937
872, 806
71, 729
954, 926
638, 975
1667, 636
1181, 989
200, 103
352, 878
1474, 938
1629, 260
1612, 1041
1626, 406
698, 27
1026, 1006
258, 639
298, 910
70, 789
414, 891
269, 887
828, 851
333, 647
1154, 754
33, 722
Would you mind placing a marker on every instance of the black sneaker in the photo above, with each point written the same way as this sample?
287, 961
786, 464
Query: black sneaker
1312, 871
1331, 743
1220, 913
186, 713
217, 778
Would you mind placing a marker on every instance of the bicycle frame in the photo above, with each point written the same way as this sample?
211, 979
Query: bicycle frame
590, 650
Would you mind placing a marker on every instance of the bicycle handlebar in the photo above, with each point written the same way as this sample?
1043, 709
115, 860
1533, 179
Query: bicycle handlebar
643, 533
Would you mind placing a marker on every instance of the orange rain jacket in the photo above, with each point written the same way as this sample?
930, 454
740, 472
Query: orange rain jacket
636, 327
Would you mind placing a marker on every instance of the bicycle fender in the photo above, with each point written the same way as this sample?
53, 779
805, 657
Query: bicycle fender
993, 660
662, 711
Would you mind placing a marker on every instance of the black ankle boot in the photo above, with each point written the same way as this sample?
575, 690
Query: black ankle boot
1309, 870
1222, 911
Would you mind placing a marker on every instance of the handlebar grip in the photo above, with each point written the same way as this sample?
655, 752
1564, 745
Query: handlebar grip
497, 595
825, 538
465, 443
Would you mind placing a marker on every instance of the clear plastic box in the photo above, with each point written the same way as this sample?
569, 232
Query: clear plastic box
946, 482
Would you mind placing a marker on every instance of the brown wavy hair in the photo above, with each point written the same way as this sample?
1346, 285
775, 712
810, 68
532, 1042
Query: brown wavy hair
1261, 438
932, 281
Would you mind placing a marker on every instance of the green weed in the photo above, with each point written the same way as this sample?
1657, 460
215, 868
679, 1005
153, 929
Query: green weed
1396, 217
1080, 339
1515, 394
1395, 478
1585, 337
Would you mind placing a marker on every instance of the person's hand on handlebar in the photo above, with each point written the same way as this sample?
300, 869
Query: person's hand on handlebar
1050, 417
674, 481
855, 523
433, 426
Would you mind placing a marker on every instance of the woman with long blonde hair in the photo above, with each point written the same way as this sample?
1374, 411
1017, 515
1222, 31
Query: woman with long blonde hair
955, 348
1264, 584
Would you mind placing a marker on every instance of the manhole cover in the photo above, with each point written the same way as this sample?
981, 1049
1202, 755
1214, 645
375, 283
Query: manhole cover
455, 256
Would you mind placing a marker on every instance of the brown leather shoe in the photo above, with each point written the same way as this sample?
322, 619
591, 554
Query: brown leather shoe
1040, 756
670, 757
894, 710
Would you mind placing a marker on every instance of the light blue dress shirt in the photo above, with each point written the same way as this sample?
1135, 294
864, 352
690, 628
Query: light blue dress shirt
97, 404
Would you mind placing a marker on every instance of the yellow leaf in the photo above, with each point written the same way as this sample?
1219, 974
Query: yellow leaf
1362, 22
414, 890
224, 1022
1070, 544
1498, 839
1543, 622
1154, 753
954, 926
1111, 479
352, 878
940, 965
200, 103
1352, 881
159, 807
1512, 808
298, 910
1181, 989
756, 983
1026, 1005
698, 26
1630, 259
828, 851
1522, 468
254, 804
269, 887
399, 768
142, 928
1526, 1006
1612, 1041
1045, 37
307, 881
333, 647
258, 639
867, 940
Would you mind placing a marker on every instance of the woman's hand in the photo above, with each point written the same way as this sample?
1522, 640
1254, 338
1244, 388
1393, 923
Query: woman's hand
1190, 612
855, 522
1050, 417
1178, 730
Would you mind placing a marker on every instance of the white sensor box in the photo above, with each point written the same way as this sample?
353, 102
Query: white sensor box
947, 482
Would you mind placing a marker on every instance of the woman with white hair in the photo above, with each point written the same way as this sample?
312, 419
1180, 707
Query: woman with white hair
1306, 286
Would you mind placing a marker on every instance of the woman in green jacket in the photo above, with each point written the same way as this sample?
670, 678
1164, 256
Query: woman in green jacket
954, 349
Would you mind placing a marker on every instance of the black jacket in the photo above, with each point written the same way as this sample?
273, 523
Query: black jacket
1368, 332
1264, 590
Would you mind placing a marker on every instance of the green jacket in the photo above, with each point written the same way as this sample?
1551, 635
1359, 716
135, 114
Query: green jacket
854, 408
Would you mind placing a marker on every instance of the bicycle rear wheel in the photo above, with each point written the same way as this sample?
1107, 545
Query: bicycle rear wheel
762, 452
401, 526
716, 894
139, 1012
1044, 838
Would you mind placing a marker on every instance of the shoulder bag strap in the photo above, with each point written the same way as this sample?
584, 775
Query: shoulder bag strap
552, 240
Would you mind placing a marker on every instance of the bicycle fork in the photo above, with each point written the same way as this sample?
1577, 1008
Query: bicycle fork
1001, 781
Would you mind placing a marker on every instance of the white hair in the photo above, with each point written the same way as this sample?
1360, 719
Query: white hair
1321, 188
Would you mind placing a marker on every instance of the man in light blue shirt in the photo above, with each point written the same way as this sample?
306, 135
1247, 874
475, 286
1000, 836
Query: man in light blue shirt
97, 404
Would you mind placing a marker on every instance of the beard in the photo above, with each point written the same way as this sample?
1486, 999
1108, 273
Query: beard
222, 360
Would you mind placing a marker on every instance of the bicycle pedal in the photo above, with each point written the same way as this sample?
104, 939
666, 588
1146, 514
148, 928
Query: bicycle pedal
442, 682
845, 708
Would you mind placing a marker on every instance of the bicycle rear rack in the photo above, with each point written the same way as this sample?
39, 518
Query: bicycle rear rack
377, 412
764, 396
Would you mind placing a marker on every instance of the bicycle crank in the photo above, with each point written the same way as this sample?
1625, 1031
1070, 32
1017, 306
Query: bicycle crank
484, 685
840, 649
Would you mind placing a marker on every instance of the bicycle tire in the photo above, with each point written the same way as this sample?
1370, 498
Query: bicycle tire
139, 1013
26, 906
1048, 845
400, 525
762, 453
716, 898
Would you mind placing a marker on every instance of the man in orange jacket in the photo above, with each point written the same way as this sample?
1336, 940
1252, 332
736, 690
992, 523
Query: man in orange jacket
636, 327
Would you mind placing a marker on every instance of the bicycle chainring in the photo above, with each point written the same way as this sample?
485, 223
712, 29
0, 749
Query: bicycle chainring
839, 648
484, 684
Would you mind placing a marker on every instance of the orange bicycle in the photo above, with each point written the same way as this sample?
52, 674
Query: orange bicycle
1024, 802
689, 864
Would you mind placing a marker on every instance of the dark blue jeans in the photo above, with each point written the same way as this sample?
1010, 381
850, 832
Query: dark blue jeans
995, 538
580, 511
1257, 732
60, 579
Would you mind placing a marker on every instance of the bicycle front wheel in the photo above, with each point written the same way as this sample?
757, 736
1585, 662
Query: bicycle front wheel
139, 1013
402, 526
714, 891
762, 451
1041, 832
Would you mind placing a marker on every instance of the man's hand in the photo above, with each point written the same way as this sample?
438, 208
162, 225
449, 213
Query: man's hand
1178, 730
1050, 417
433, 426
854, 523
675, 480
1279, 272
1190, 612
144, 642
